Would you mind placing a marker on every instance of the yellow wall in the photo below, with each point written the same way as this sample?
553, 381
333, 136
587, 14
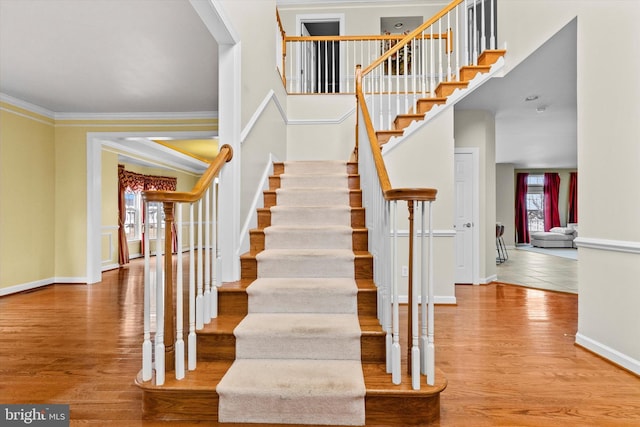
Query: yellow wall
71, 200
43, 220
26, 197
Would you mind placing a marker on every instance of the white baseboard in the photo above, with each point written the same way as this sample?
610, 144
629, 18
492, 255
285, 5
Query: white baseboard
609, 353
489, 279
451, 300
40, 283
110, 267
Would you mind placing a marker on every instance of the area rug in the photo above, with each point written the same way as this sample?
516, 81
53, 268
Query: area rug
570, 253
298, 349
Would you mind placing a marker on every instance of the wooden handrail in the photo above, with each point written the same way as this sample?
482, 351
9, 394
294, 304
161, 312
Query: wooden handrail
225, 155
383, 177
415, 33
380, 37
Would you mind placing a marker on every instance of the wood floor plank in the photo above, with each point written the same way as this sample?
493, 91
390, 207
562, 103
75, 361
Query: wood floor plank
507, 352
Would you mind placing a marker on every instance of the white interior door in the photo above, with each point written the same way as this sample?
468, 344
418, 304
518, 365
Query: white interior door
463, 223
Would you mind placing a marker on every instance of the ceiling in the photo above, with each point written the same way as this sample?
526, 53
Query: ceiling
541, 133
143, 56
107, 56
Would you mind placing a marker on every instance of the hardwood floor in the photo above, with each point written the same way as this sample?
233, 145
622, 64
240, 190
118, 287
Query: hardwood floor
508, 354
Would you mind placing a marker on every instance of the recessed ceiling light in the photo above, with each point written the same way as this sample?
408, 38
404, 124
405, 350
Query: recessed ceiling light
541, 109
398, 25
531, 98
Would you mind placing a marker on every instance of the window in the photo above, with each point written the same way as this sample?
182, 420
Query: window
535, 202
133, 217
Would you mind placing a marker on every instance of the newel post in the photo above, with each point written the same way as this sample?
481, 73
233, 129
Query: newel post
410, 288
169, 314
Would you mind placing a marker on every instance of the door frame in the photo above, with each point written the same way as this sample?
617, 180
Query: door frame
315, 18
475, 206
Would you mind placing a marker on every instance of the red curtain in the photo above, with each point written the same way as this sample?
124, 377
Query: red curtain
522, 220
551, 191
573, 198
126, 181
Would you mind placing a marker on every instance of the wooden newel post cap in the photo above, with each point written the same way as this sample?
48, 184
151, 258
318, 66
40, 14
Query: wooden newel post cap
414, 194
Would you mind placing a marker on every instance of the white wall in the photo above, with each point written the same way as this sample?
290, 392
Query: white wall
505, 201
321, 127
360, 19
608, 155
262, 91
425, 159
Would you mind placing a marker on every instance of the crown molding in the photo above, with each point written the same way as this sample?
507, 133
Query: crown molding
36, 109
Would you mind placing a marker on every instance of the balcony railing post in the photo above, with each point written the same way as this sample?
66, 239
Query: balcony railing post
169, 314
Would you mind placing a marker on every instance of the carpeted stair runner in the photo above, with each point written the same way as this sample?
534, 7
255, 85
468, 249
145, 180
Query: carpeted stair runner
298, 349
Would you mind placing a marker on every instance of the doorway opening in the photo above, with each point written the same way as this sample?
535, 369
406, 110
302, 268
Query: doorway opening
320, 64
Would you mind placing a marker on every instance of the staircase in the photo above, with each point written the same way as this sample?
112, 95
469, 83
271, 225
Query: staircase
265, 285
443, 91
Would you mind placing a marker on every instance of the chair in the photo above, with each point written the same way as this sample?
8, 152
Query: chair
501, 248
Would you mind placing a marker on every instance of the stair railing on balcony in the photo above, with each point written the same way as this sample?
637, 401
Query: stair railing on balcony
167, 352
380, 200
410, 65
431, 55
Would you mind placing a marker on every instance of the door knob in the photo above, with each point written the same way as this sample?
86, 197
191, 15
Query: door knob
468, 225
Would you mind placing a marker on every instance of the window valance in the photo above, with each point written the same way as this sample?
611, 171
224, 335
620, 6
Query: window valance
138, 182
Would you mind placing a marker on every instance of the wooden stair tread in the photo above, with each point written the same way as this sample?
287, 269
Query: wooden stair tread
377, 380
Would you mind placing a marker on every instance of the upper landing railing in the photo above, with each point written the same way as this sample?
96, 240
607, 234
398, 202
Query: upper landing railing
409, 63
161, 315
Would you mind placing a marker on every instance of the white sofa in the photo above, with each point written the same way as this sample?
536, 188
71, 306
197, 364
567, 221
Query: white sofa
557, 237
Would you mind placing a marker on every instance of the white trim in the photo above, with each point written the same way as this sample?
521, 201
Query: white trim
193, 115
41, 283
217, 22
27, 116
35, 109
488, 280
475, 207
449, 300
108, 267
337, 121
608, 245
96, 142
26, 106
25, 286
609, 353
436, 233
252, 216
256, 115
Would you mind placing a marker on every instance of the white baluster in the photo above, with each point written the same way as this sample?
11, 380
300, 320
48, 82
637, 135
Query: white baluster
213, 253
200, 297
475, 35
179, 350
396, 376
423, 295
159, 301
466, 33
432, 71
431, 349
457, 37
192, 293
415, 343
448, 47
492, 39
147, 348
483, 33
207, 258
440, 70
